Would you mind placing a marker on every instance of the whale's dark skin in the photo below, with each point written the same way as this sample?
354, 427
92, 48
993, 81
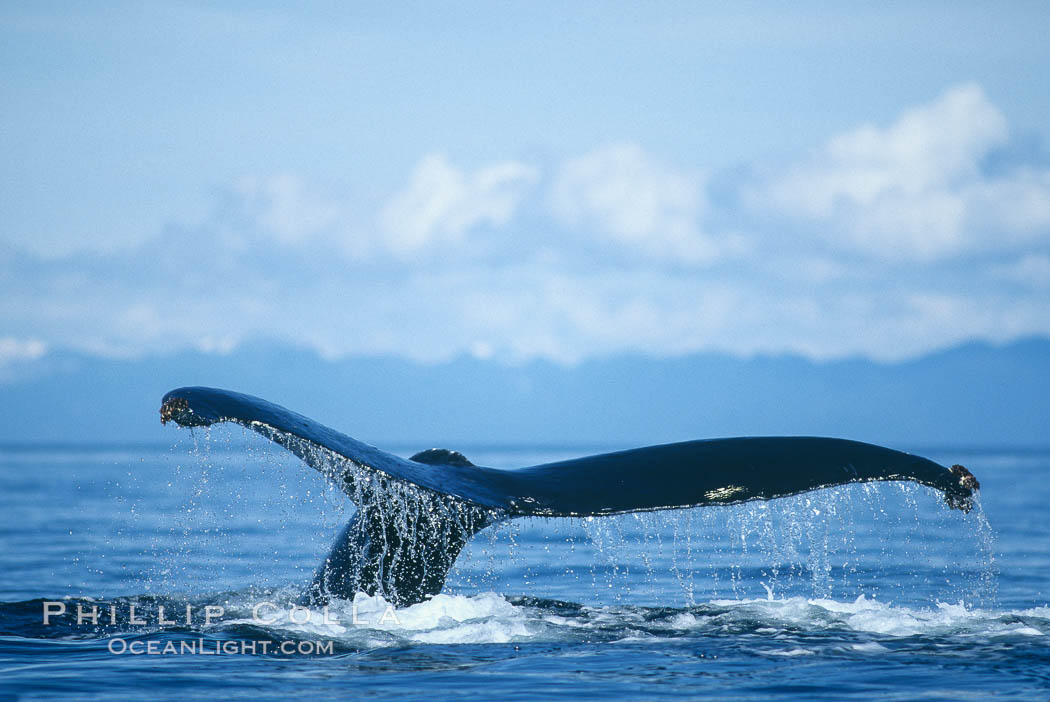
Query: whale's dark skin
405, 553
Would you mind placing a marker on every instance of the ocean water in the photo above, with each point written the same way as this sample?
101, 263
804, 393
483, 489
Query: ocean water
856, 592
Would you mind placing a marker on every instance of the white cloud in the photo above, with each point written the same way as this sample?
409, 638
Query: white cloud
1017, 208
628, 196
12, 349
286, 209
442, 203
926, 149
602, 274
915, 190
439, 206
522, 310
1032, 270
17, 354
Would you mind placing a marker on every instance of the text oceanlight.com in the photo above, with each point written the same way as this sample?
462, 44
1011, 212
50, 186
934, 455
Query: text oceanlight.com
203, 647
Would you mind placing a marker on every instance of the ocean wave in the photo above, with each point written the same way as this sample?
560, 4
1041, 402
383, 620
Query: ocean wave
369, 622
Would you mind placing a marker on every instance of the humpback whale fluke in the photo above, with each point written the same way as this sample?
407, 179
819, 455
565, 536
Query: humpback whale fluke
415, 515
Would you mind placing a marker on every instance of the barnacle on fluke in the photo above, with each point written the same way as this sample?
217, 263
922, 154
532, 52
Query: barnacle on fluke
963, 498
175, 409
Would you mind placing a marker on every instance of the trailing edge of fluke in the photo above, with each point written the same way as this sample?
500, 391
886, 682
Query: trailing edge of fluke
405, 555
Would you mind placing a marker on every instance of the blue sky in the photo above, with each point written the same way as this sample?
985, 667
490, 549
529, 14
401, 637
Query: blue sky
523, 180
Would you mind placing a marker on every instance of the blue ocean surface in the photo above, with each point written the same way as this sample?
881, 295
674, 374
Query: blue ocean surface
874, 591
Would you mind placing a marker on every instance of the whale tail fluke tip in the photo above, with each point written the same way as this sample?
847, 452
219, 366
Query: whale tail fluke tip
177, 409
172, 409
962, 495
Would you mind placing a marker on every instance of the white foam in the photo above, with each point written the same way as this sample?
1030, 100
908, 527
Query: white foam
372, 621
490, 618
874, 617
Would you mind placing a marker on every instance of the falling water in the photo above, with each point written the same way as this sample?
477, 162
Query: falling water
837, 543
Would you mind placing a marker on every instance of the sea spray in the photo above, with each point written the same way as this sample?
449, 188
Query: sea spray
818, 544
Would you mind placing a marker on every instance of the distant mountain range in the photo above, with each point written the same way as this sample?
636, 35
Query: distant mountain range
971, 395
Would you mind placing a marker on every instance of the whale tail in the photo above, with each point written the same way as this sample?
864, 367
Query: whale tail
415, 515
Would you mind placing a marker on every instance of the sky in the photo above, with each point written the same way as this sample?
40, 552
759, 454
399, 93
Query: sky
523, 180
